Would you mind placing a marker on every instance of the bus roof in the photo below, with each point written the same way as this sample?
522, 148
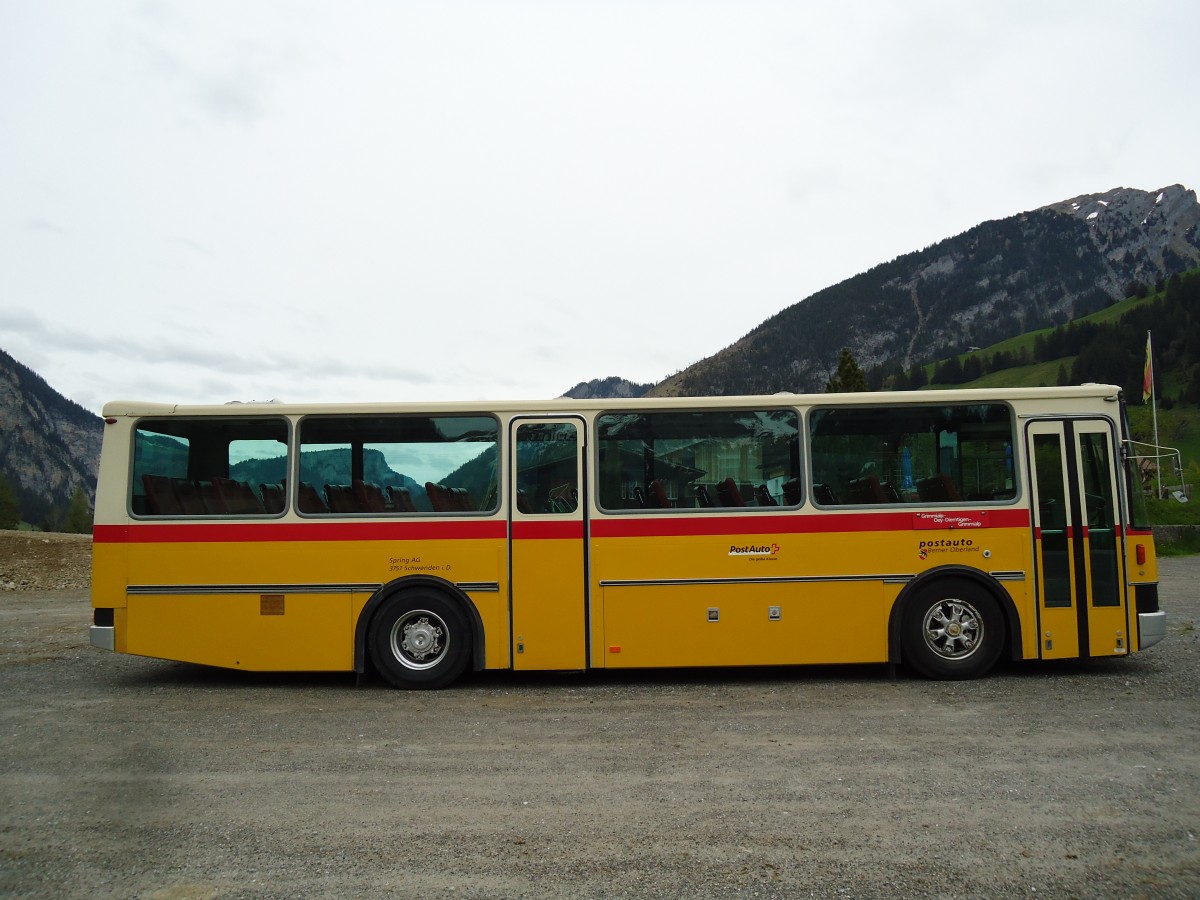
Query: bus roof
566, 405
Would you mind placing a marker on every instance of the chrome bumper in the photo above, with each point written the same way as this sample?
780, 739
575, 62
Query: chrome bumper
102, 636
1152, 628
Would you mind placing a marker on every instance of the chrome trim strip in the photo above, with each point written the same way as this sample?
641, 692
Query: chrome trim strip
142, 589
782, 579
492, 587
1008, 576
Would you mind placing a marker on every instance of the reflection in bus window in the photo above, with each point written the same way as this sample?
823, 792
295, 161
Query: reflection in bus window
547, 468
381, 465
209, 467
912, 454
699, 460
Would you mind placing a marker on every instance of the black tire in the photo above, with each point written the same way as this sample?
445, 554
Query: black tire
952, 629
420, 639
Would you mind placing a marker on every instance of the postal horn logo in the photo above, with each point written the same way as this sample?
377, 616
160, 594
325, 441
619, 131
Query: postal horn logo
754, 550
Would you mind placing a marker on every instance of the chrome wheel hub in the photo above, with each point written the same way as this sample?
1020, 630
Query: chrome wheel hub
953, 629
419, 639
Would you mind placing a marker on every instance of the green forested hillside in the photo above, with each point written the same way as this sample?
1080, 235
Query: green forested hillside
1108, 346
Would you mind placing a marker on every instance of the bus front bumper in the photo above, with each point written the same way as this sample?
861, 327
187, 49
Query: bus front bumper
1152, 628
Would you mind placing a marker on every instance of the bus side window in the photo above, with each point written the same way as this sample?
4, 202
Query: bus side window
888, 455
710, 460
397, 465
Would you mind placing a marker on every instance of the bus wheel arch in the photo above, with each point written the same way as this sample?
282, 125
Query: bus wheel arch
419, 632
953, 622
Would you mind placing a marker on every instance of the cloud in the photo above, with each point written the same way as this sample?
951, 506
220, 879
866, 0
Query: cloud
44, 226
221, 76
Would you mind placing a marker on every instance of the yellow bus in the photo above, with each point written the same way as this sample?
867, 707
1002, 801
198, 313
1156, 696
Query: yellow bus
941, 530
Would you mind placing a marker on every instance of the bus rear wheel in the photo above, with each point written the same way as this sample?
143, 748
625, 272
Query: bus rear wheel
420, 639
952, 629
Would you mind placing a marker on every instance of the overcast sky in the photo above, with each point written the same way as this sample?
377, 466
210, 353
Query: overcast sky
208, 201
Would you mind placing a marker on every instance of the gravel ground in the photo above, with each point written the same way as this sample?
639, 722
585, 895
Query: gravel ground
127, 777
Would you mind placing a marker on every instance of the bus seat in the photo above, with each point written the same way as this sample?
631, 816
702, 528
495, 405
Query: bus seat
309, 500
791, 492
190, 501
272, 496
439, 497
369, 496
160, 496
702, 497
823, 494
341, 498
402, 500
657, 495
764, 496
867, 490
729, 494
937, 488
237, 497
459, 499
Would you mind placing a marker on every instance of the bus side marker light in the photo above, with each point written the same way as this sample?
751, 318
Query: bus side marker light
614, 649
1141, 554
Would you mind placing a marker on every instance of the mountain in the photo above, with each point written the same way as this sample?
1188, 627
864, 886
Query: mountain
607, 387
49, 446
997, 280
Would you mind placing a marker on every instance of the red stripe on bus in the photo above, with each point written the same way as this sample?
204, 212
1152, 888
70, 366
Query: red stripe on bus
547, 531
692, 526
264, 532
647, 526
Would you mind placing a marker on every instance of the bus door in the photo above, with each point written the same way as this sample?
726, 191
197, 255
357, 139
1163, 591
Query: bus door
547, 552
1077, 539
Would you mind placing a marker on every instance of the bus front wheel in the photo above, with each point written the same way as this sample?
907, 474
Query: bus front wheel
952, 629
420, 639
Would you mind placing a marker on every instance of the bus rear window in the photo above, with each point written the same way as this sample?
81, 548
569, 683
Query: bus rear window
912, 454
209, 467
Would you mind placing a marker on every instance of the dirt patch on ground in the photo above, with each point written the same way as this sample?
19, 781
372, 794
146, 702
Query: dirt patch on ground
45, 561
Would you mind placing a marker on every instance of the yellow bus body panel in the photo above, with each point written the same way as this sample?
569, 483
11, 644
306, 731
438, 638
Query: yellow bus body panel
549, 613
196, 618
715, 600
310, 632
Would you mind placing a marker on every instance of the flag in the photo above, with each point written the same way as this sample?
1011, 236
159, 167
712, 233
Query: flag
1148, 374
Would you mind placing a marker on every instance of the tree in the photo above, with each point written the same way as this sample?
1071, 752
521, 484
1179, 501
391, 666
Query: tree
10, 512
849, 376
79, 516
